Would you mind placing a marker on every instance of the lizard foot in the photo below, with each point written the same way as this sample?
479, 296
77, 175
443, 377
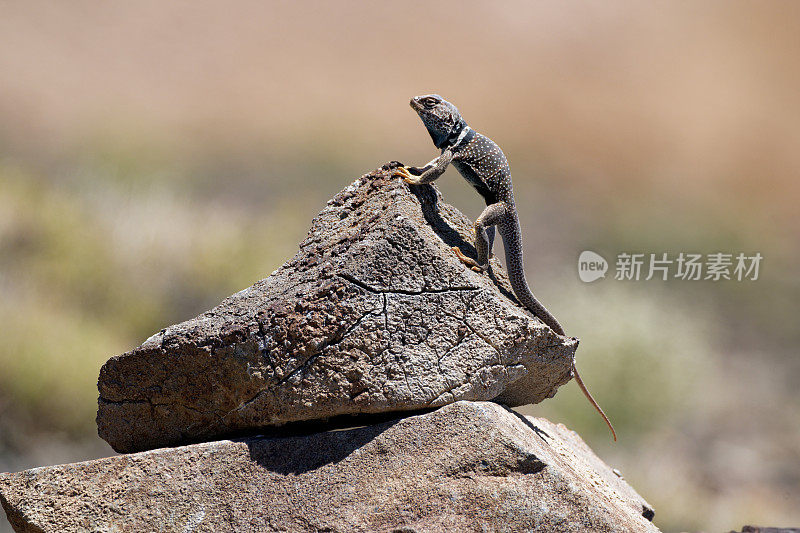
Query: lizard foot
406, 176
470, 262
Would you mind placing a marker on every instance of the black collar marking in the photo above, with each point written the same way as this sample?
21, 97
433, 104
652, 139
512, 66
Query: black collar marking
454, 133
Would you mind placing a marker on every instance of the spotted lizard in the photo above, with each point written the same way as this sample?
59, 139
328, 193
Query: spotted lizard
482, 163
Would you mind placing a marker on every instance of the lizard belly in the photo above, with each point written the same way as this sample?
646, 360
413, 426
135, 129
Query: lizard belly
472, 177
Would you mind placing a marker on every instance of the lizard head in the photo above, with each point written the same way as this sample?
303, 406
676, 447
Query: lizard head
440, 117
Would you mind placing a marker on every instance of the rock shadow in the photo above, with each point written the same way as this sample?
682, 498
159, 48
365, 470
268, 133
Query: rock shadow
299, 448
429, 202
525, 420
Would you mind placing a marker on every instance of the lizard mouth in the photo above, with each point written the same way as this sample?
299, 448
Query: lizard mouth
415, 105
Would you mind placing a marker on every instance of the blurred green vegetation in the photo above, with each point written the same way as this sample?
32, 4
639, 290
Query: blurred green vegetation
91, 271
643, 359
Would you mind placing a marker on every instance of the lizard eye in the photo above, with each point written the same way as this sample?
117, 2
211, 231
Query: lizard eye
430, 102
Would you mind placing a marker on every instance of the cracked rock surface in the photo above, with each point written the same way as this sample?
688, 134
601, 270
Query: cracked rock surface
468, 466
374, 314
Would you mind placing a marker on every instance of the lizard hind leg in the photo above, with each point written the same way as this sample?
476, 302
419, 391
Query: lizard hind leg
470, 262
484, 239
490, 232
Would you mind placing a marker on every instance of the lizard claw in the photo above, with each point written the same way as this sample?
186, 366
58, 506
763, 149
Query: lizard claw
470, 262
405, 175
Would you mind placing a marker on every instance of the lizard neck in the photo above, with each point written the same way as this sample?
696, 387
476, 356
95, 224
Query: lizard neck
457, 136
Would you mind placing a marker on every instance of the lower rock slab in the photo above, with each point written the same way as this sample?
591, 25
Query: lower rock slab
469, 466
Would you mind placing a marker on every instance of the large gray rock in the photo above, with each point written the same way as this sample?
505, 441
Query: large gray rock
373, 314
468, 466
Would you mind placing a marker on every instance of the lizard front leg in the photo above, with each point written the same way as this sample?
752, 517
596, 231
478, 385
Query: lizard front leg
491, 216
425, 174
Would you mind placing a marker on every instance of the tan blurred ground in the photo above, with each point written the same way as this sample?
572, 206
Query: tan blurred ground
156, 157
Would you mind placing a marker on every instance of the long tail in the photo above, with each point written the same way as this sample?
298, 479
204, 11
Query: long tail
592, 401
512, 242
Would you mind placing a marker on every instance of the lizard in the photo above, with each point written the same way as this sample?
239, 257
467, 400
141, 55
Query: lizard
484, 165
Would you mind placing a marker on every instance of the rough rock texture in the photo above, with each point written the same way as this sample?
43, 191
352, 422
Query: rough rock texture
373, 314
469, 466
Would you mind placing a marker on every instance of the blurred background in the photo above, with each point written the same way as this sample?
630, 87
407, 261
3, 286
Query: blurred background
157, 157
